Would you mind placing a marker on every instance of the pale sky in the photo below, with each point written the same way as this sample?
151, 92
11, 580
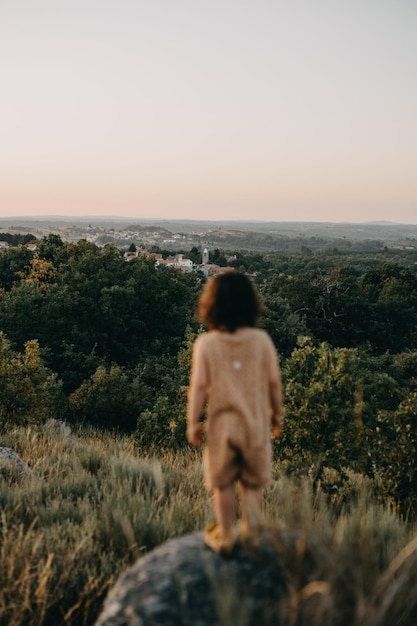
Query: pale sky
284, 110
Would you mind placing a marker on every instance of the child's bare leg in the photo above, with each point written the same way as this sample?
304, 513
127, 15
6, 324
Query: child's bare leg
224, 507
251, 501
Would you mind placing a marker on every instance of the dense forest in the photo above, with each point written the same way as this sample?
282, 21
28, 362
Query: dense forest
90, 338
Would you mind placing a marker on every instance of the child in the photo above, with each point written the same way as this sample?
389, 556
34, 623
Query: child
235, 368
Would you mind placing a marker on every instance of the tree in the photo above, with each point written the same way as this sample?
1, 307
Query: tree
392, 293
283, 325
195, 255
320, 428
41, 272
13, 261
109, 398
87, 308
396, 453
163, 422
30, 392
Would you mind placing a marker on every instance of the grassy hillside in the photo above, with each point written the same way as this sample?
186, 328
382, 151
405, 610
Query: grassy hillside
94, 503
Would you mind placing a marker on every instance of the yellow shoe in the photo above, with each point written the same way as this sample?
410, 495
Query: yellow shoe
219, 541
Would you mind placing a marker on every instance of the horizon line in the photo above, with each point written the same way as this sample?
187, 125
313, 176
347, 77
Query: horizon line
123, 218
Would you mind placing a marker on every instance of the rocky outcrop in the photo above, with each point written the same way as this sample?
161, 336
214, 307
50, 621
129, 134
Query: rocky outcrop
10, 461
184, 583
57, 428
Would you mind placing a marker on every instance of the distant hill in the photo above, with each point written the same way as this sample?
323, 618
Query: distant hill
383, 232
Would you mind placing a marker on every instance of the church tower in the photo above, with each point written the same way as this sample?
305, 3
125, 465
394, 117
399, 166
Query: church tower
205, 256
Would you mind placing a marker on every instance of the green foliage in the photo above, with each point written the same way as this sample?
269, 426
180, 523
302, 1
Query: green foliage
345, 411
392, 293
89, 308
283, 325
351, 306
150, 399
17, 239
12, 263
195, 255
111, 397
396, 453
29, 391
163, 423
319, 404
162, 426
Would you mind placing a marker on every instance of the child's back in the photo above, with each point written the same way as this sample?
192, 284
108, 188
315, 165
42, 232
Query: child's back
235, 369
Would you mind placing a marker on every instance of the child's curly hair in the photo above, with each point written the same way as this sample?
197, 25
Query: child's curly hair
229, 301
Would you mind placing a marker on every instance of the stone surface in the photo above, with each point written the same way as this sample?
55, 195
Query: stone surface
184, 583
10, 460
57, 427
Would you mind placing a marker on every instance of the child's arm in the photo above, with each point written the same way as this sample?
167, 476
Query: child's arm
277, 407
275, 391
196, 396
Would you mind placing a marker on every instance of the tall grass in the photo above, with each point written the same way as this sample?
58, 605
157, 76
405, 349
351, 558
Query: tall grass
94, 503
91, 506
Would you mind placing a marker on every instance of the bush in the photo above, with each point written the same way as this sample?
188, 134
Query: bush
29, 391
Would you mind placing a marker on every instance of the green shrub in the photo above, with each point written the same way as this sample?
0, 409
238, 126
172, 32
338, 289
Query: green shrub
30, 393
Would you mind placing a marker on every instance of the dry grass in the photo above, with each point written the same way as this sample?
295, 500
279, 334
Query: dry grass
94, 504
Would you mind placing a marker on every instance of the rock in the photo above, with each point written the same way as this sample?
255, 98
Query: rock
57, 427
10, 461
184, 583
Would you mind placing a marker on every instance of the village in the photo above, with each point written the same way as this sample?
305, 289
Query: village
181, 262
134, 242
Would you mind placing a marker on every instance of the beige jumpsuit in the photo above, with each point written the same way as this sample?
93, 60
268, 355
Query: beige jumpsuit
237, 369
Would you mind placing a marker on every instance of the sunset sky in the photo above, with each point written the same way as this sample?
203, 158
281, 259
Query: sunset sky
284, 110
